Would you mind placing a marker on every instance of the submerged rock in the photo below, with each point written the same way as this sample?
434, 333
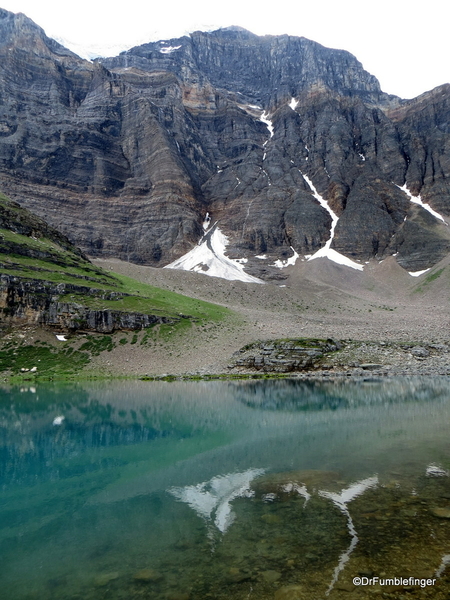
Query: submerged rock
290, 592
441, 512
148, 576
270, 576
105, 578
276, 483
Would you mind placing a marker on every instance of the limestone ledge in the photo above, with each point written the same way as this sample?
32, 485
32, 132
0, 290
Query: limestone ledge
24, 302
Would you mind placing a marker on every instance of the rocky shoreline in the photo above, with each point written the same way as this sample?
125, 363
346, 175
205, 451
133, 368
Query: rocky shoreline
346, 358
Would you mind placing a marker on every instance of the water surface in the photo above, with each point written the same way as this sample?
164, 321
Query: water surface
223, 490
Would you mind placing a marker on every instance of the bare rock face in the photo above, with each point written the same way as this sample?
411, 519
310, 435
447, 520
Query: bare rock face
127, 155
30, 301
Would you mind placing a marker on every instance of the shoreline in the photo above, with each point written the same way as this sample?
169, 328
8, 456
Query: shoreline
398, 362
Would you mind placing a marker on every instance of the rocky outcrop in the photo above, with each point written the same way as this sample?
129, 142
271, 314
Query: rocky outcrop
284, 356
127, 155
32, 301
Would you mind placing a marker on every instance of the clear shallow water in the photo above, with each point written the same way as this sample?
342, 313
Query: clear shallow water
204, 490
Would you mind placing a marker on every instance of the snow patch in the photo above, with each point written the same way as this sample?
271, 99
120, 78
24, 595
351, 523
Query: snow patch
265, 119
418, 200
58, 420
208, 258
61, 338
293, 103
206, 222
265, 172
169, 49
282, 264
327, 251
261, 256
418, 273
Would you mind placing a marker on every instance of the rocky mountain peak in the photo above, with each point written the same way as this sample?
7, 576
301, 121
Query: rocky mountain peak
18, 31
290, 148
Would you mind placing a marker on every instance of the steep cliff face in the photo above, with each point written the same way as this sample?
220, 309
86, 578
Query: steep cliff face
45, 280
291, 147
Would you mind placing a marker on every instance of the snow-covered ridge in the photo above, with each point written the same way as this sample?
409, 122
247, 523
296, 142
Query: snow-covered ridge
327, 251
418, 200
208, 258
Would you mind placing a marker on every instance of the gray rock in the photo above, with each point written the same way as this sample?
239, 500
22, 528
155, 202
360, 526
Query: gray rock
127, 155
420, 352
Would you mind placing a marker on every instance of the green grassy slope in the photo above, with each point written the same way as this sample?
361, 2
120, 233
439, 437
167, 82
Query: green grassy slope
31, 250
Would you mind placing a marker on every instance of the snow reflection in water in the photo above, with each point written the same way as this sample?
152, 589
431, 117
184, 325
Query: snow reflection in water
214, 496
144, 480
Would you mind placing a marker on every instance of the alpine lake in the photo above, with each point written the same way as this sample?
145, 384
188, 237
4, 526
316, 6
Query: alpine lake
213, 490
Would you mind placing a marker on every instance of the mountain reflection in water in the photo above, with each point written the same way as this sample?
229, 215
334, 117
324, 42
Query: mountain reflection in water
280, 490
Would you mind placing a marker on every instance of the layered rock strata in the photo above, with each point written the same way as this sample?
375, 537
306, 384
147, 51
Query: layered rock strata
128, 155
284, 356
37, 302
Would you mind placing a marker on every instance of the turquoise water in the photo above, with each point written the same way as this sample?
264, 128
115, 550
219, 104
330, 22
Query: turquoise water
217, 490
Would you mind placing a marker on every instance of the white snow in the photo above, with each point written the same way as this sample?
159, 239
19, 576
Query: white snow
362, 157
417, 273
58, 420
418, 200
341, 500
265, 119
61, 338
265, 172
293, 103
206, 222
215, 496
327, 251
169, 49
208, 258
282, 264
261, 256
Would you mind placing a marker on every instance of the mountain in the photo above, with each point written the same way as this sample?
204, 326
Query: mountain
264, 149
